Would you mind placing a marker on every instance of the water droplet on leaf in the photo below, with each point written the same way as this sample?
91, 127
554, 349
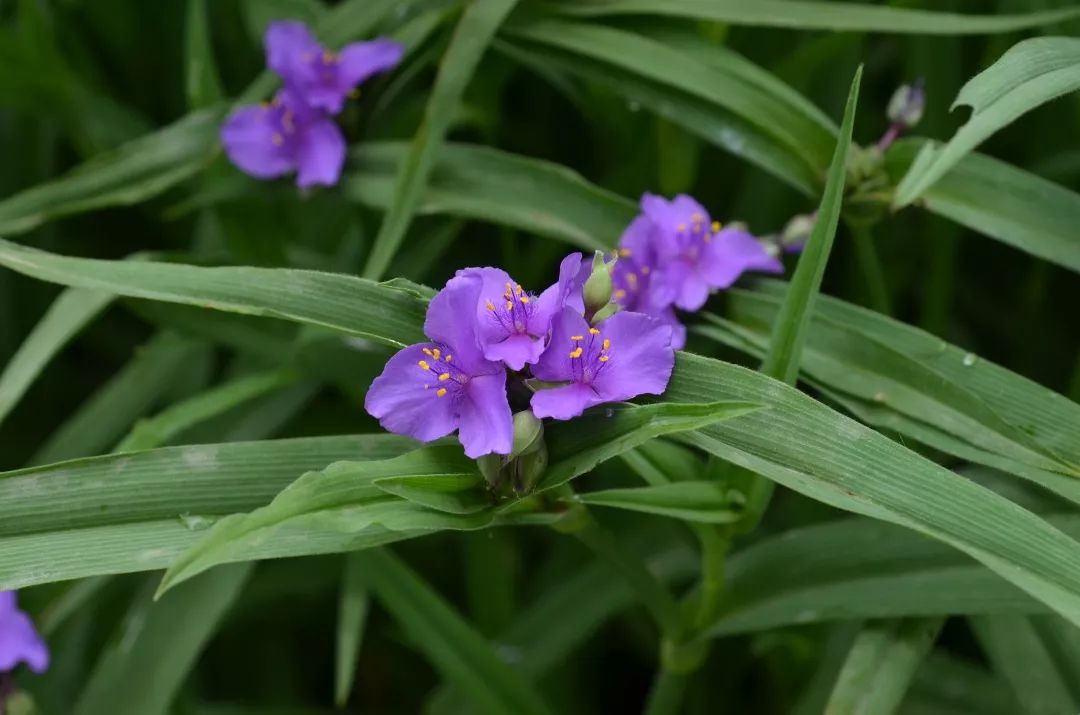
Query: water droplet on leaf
970, 359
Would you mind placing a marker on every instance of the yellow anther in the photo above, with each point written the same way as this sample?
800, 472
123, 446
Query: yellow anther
593, 331
441, 392
436, 353
577, 337
697, 217
620, 294
277, 139
715, 226
576, 353
518, 288
607, 344
427, 351
490, 305
424, 364
524, 298
444, 377
645, 270
625, 252
604, 358
509, 289
631, 278
681, 228
328, 57
509, 305
448, 358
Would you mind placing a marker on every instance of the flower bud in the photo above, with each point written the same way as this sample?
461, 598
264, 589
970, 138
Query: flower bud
907, 104
530, 467
490, 465
606, 312
598, 287
528, 433
797, 232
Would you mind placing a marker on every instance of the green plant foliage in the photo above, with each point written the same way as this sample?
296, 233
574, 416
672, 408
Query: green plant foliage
857, 493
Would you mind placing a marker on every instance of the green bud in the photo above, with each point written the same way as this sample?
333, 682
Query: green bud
598, 287
528, 433
490, 465
606, 312
530, 467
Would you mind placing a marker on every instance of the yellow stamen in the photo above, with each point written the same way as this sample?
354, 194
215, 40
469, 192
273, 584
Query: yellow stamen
697, 218
594, 331
509, 305
715, 226
607, 344
427, 351
518, 287
444, 377
620, 294
577, 337
328, 57
436, 355
448, 358
645, 270
604, 358
490, 305
441, 392
524, 298
576, 352
424, 364
624, 252
277, 139
631, 278
681, 228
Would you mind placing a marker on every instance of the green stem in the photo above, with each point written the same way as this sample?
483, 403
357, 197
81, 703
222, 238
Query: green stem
715, 542
666, 695
649, 589
870, 267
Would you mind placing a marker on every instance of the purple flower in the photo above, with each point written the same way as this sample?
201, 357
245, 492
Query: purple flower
513, 324
632, 278
19, 640
694, 256
626, 355
428, 390
270, 140
323, 79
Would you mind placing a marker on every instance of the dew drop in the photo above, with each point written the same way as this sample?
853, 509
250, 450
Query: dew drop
970, 359
881, 398
194, 522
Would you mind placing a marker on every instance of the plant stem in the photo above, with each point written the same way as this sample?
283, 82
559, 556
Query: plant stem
666, 694
870, 267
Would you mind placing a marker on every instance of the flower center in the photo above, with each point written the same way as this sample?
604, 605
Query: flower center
444, 376
514, 310
691, 239
590, 355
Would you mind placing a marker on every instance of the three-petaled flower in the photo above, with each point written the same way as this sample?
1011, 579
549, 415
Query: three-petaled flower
19, 640
296, 131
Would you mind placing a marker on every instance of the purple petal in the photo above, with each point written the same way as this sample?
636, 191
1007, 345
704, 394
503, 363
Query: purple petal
361, 60
636, 242
678, 330
641, 357
486, 424
405, 400
19, 640
492, 287
573, 272
451, 319
556, 365
669, 215
732, 252
321, 153
682, 283
564, 403
290, 50
255, 142
516, 351
8, 603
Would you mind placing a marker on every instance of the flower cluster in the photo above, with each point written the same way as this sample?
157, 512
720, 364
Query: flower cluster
604, 332
19, 640
673, 255
484, 324
296, 131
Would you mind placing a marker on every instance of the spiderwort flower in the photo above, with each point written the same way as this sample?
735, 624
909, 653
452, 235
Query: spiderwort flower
695, 255
324, 79
513, 324
626, 355
285, 135
632, 278
428, 390
19, 640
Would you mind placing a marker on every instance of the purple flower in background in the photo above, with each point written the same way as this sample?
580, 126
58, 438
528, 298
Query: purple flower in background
323, 79
19, 640
632, 278
694, 256
513, 324
286, 135
429, 390
626, 355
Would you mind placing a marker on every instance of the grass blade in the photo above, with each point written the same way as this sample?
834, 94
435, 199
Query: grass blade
352, 617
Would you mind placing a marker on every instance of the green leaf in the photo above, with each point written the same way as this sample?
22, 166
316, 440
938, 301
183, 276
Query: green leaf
158, 430
158, 645
811, 15
702, 502
792, 322
202, 84
720, 78
109, 413
72, 311
131, 173
474, 31
1021, 658
901, 369
131, 512
352, 617
389, 315
881, 664
859, 569
461, 654
1031, 73
1001, 201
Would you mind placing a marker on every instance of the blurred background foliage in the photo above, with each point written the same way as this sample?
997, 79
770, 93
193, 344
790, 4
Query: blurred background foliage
79, 79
